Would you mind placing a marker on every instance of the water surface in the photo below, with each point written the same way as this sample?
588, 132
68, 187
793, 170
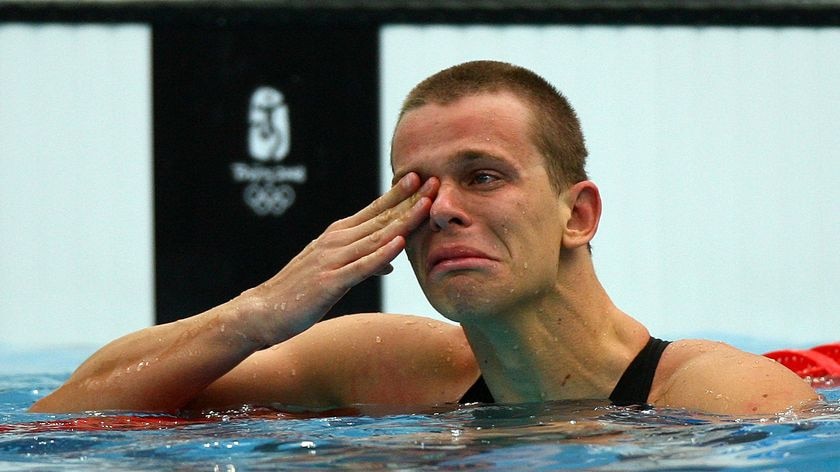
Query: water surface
550, 436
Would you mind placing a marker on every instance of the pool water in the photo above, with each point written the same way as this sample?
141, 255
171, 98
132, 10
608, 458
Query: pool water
550, 436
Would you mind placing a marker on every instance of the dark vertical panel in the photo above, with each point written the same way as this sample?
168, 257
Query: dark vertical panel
231, 210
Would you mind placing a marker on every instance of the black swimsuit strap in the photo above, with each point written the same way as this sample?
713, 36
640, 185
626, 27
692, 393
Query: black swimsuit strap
632, 389
478, 393
634, 385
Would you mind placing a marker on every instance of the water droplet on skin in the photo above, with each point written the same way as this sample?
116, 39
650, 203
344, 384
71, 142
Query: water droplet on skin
275, 307
222, 328
294, 372
299, 296
378, 340
283, 306
526, 266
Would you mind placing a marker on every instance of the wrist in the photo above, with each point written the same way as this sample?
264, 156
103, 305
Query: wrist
261, 319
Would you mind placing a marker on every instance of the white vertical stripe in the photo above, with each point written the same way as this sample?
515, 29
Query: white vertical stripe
76, 185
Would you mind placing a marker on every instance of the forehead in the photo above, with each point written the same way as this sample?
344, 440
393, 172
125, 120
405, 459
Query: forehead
496, 124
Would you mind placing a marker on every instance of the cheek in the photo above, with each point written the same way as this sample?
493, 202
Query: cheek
540, 232
412, 250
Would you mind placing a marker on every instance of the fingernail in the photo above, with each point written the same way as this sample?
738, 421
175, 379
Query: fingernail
426, 185
405, 181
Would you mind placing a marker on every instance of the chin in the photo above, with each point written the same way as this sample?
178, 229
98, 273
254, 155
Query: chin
468, 294
461, 306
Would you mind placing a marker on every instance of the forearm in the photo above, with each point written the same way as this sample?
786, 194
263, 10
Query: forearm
163, 367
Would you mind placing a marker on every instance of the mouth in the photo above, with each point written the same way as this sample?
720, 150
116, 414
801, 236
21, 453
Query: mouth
456, 258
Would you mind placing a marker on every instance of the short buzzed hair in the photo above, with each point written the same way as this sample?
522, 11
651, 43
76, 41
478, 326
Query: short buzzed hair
556, 129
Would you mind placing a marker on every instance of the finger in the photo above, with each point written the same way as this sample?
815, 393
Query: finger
374, 263
374, 237
385, 270
338, 248
404, 189
400, 219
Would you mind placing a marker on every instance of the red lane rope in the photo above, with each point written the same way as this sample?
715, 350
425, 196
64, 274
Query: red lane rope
147, 423
818, 361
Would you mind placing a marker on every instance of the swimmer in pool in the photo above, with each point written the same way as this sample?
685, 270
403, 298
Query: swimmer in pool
492, 204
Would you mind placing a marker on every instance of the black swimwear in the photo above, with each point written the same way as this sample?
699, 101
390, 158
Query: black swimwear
478, 393
633, 387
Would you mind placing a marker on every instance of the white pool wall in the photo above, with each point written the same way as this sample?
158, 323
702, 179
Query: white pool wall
76, 228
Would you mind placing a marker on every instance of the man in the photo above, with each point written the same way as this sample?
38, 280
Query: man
492, 204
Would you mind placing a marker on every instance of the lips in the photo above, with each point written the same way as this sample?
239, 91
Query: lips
455, 257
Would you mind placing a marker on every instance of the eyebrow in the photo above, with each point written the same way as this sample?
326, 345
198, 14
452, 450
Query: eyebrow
462, 159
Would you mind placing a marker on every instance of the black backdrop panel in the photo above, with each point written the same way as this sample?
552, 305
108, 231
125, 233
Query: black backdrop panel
262, 137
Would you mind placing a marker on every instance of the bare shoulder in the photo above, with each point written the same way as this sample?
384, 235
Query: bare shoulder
411, 340
363, 325
363, 358
716, 377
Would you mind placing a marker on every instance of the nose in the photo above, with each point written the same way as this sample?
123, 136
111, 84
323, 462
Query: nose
447, 209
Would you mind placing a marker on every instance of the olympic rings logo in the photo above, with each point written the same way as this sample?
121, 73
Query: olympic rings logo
269, 198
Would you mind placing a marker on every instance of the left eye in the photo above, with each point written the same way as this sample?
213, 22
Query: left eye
484, 178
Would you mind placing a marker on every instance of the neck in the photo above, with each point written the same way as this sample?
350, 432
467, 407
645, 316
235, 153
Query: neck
573, 343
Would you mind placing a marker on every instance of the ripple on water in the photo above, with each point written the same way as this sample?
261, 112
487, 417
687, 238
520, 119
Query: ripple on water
587, 435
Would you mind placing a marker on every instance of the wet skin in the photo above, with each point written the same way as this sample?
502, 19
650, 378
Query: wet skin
493, 237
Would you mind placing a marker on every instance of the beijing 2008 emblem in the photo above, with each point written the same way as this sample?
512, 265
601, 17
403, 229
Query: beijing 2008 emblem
268, 191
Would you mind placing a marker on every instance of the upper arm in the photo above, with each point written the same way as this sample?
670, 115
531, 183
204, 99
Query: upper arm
369, 358
718, 378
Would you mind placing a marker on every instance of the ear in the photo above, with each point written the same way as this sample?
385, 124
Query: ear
584, 201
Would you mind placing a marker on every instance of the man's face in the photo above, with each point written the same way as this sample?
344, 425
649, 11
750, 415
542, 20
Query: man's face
493, 238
